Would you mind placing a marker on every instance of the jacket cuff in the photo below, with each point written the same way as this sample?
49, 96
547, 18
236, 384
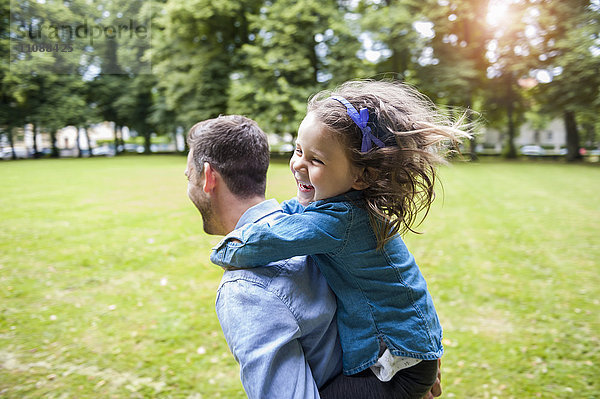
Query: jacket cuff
223, 252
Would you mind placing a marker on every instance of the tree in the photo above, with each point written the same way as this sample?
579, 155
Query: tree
389, 23
134, 106
8, 104
196, 53
513, 55
567, 54
295, 48
46, 89
454, 73
163, 119
60, 103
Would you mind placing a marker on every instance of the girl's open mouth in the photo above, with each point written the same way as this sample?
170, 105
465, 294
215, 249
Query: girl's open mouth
305, 187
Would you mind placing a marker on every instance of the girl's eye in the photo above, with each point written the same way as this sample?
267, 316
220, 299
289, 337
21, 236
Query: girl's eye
298, 151
315, 160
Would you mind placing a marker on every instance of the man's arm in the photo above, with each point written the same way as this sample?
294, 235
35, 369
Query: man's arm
314, 231
263, 336
436, 389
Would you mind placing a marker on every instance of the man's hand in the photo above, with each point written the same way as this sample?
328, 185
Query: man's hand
436, 389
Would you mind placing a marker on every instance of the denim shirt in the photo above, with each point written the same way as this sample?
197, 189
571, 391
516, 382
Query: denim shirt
381, 295
279, 322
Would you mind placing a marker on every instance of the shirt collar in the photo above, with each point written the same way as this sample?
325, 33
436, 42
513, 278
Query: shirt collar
259, 211
352, 195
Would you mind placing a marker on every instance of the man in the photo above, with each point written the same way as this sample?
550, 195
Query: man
279, 320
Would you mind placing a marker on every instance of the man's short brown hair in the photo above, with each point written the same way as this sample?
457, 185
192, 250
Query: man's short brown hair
236, 148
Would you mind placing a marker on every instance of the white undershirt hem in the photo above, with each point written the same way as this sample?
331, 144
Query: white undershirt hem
388, 365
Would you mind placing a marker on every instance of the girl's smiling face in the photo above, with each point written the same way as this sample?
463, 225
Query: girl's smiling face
320, 164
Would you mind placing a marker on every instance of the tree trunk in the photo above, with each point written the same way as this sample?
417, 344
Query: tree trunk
511, 152
79, 154
175, 140
55, 153
472, 149
87, 137
11, 142
472, 142
36, 153
117, 129
186, 147
572, 137
147, 143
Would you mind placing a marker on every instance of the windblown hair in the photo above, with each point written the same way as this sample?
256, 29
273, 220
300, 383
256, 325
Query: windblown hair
400, 177
237, 148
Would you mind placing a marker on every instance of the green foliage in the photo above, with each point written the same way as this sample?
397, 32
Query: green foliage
196, 52
390, 23
266, 58
296, 48
135, 106
566, 53
53, 90
459, 73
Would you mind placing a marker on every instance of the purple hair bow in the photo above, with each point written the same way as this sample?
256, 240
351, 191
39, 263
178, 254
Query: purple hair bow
361, 119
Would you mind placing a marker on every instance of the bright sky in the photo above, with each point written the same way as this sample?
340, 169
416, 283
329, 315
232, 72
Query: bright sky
497, 12
424, 29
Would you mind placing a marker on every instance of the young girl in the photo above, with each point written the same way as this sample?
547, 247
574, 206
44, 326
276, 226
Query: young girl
364, 166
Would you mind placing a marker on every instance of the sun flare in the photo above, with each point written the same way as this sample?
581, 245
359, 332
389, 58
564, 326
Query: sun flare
498, 14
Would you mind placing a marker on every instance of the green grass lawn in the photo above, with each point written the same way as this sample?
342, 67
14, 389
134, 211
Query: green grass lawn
106, 289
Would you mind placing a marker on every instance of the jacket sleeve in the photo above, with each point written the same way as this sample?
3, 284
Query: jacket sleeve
314, 231
263, 336
292, 206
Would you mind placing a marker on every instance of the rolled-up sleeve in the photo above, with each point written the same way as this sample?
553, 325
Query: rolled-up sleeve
314, 231
264, 343
292, 206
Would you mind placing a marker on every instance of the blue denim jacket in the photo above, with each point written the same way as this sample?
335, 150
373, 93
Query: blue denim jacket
381, 295
279, 322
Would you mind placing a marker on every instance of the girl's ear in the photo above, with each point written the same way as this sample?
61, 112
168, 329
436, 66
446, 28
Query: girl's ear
364, 178
360, 185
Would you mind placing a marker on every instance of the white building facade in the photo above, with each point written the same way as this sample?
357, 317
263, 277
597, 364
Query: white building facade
553, 137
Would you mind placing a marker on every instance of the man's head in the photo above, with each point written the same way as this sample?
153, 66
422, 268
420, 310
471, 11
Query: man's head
227, 169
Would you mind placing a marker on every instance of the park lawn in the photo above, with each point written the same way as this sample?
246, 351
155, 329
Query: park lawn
106, 289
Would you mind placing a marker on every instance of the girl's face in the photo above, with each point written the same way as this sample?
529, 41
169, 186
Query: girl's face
320, 164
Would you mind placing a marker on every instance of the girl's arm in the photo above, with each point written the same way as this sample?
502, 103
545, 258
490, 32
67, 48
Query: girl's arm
292, 206
315, 231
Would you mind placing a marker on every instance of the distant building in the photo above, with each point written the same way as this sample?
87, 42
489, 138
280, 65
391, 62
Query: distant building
66, 138
553, 137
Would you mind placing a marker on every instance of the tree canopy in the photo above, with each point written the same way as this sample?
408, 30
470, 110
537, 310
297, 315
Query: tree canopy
193, 60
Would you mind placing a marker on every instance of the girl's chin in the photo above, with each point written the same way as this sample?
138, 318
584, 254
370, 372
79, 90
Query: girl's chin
305, 198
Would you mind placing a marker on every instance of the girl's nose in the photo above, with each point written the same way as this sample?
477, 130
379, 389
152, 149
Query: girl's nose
298, 164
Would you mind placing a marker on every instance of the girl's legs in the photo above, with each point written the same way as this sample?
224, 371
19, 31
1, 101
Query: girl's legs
411, 383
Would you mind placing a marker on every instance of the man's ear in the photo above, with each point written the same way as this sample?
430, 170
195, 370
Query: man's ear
210, 178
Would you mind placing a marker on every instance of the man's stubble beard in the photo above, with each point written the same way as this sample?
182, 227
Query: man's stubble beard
208, 215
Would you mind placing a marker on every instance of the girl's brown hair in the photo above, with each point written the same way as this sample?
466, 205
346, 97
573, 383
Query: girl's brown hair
399, 177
